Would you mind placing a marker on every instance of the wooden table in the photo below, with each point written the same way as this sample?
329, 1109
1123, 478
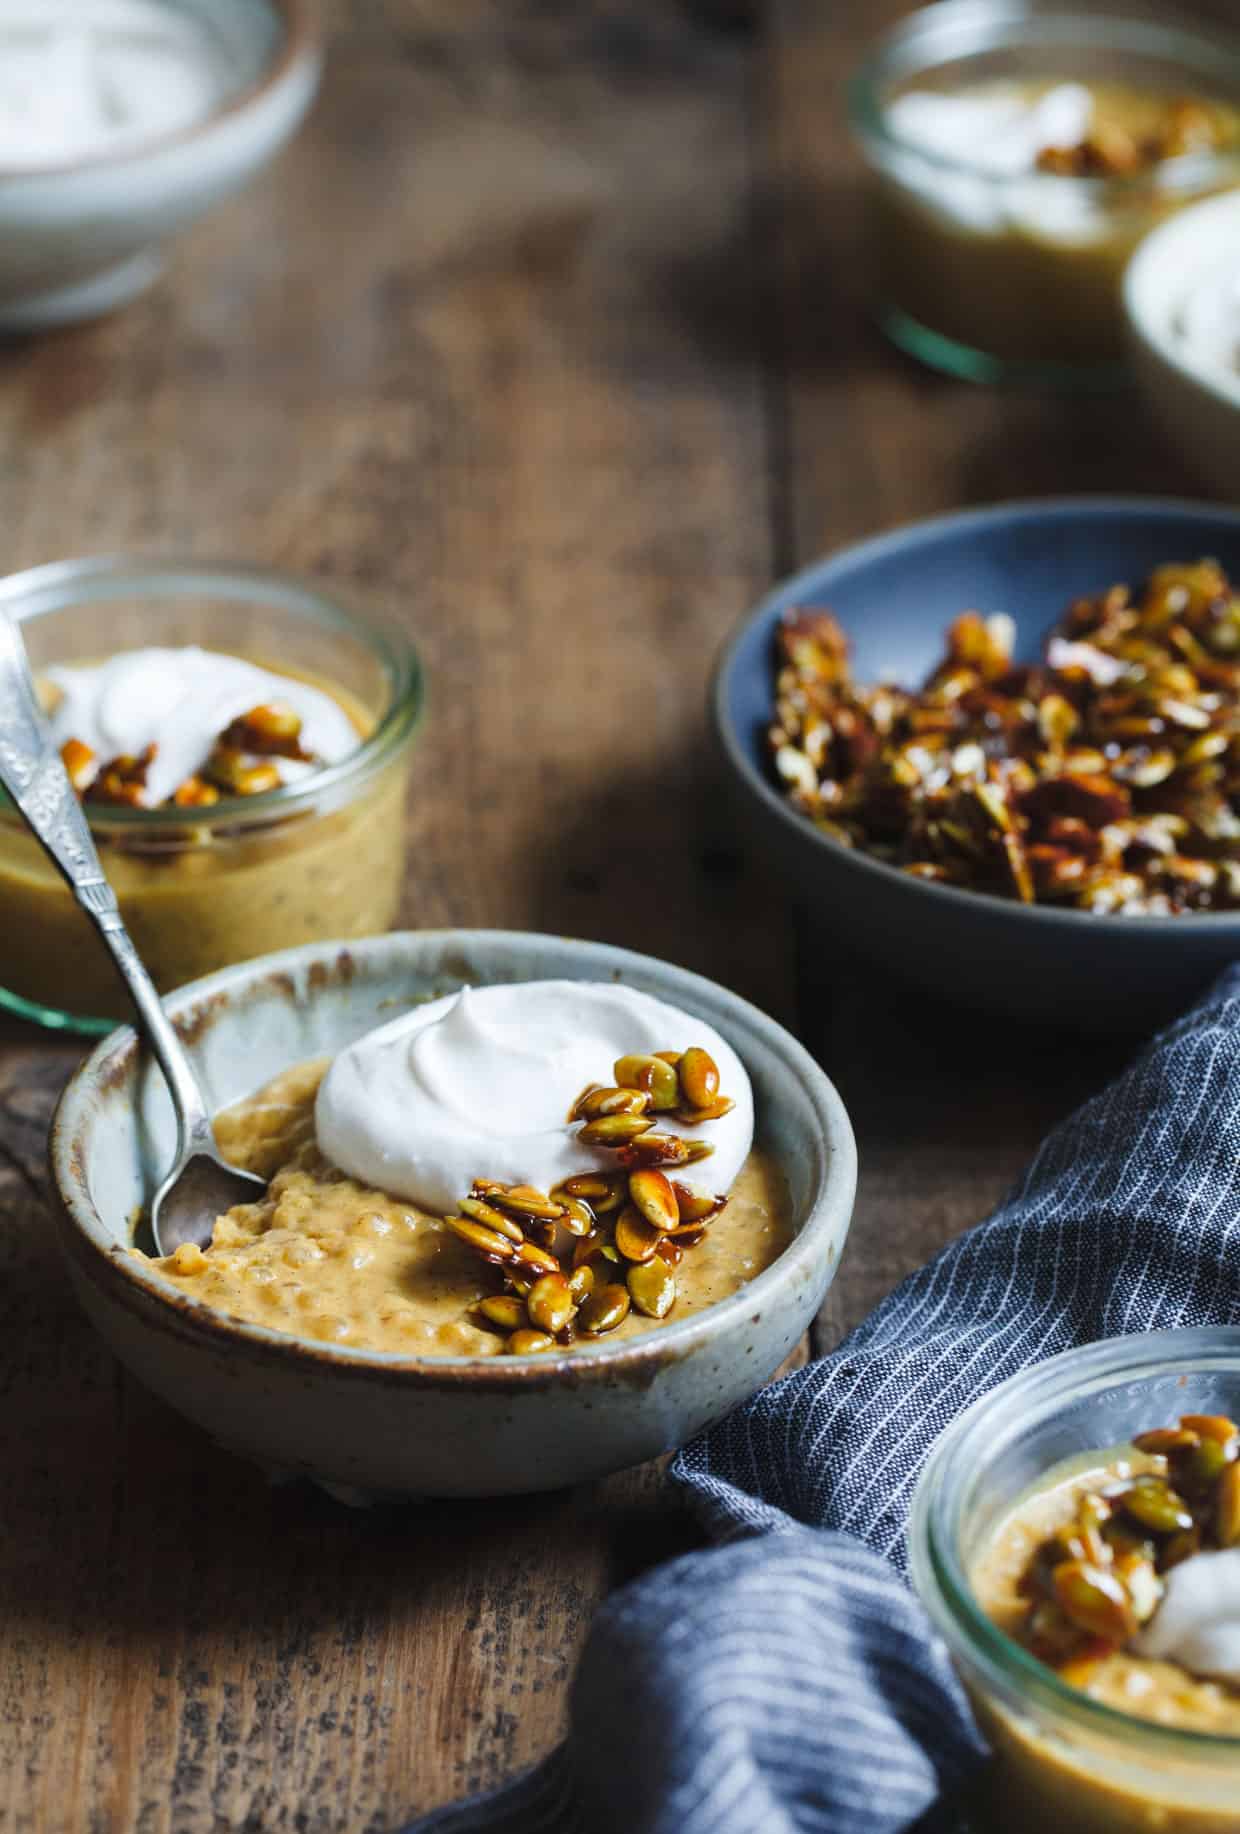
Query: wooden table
551, 330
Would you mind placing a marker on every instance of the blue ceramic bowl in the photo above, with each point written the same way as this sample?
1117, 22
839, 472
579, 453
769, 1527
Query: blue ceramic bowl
895, 597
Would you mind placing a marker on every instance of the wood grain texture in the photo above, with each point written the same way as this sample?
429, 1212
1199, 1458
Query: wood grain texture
551, 333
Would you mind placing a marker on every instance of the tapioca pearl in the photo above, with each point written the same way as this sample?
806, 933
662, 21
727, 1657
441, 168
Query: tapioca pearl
331, 1328
302, 1253
371, 1222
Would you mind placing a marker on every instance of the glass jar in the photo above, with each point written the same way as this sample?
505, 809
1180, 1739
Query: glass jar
200, 888
1061, 1760
991, 277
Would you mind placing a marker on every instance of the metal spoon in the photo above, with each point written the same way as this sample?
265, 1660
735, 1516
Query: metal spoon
201, 1185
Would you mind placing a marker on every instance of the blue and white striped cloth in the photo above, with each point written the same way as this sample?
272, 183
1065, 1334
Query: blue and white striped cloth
785, 1680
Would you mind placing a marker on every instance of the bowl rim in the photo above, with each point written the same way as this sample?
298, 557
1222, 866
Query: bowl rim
867, 114
102, 1258
908, 534
942, 1583
36, 591
1148, 324
300, 45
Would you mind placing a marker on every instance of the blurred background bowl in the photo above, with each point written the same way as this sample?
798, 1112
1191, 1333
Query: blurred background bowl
894, 597
80, 239
1195, 402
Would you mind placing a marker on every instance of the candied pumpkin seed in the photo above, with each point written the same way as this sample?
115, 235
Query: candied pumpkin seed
486, 1241
492, 1218
1211, 1426
529, 1343
505, 1310
699, 1077
1153, 1503
550, 1303
1094, 1600
581, 1282
652, 1288
597, 1102
540, 1260
636, 1238
1163, 1439
615, 1129
651, 1191
656, 1079
605, 1309
526, 1201
695, 1204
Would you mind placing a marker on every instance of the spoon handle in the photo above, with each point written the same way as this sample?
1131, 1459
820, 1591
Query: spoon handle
34, 776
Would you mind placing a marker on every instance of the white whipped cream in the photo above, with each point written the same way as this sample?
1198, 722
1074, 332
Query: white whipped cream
80, 79
479, 1085
1001, 130
997, 135
1208, 318
1198, 1621
180, 700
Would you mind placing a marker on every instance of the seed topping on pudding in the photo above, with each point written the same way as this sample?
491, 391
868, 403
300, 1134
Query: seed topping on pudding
181, 728
1149, 1562
500, 1083
1068, 130
575, 1260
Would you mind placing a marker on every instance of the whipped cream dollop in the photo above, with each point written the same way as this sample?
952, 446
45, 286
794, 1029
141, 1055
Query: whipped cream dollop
1207, 320
1198, 1622
479, 1085
80, 79
997, 135
999, 130
179, 701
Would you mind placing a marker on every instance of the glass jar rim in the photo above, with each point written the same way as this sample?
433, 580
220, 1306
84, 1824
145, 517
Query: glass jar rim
941, 1581
59, 584
1175, 41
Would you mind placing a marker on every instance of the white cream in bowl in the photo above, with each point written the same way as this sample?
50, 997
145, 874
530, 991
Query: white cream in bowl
85, 79
1198, 1621
479, 1085
179, 701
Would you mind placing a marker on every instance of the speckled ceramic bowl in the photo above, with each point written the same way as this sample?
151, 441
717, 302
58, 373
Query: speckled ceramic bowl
370, 1423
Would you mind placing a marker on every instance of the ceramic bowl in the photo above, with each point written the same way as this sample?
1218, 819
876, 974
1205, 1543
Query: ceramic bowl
366, 1422
895, 597
1196, 403
80, 239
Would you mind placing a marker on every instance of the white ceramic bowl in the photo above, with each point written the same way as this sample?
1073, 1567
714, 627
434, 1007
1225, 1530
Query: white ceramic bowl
79, 239
1196, 404
368, 1422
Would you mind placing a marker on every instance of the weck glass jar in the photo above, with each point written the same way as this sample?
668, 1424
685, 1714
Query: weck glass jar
199, 888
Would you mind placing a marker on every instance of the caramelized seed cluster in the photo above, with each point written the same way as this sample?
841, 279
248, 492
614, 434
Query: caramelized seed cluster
576, 1260
1109, 150
1105, 777
240, 764
1094, 1584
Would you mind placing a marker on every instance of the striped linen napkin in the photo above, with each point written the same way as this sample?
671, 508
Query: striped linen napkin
785, 1680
